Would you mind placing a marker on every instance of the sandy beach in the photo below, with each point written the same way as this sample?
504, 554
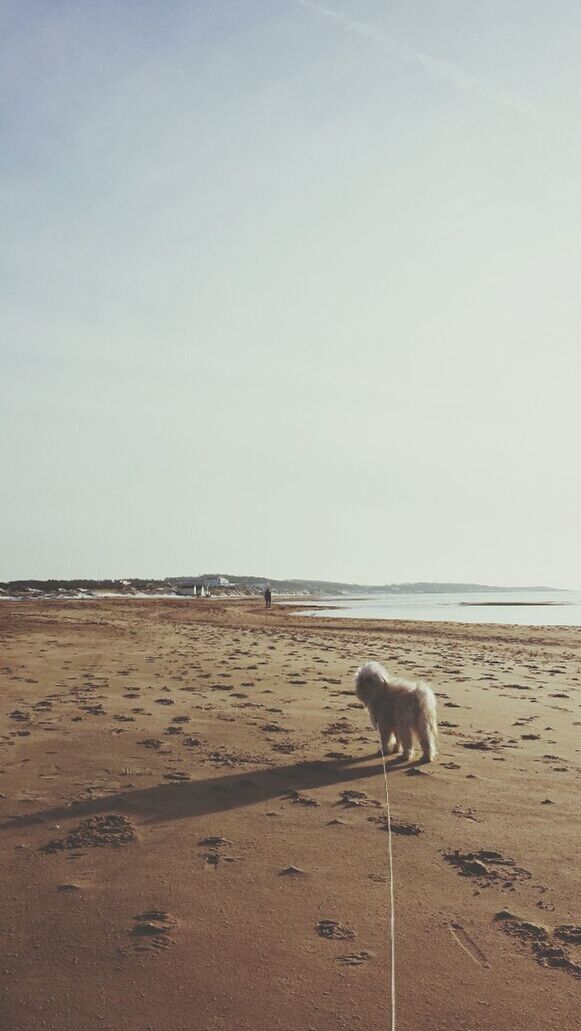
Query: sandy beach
193, 833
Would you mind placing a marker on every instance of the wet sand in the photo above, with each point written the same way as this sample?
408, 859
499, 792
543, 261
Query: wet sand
192, 833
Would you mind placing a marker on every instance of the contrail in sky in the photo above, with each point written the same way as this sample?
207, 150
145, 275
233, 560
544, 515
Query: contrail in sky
433, 67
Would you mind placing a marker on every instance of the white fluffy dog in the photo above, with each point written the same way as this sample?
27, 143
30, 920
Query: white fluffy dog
400, 710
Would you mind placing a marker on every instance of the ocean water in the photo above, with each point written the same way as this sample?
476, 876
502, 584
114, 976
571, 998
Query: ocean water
521, 608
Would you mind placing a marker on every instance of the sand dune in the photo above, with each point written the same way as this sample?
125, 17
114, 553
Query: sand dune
192, 832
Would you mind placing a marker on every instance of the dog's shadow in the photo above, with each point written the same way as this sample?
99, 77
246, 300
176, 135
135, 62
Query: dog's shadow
167, 802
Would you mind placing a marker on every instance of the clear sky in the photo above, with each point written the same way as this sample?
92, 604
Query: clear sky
291, 289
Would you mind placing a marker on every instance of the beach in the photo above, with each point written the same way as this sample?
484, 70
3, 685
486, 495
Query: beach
193, 833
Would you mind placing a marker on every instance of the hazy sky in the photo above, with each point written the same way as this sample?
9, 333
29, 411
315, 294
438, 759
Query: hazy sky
291, 289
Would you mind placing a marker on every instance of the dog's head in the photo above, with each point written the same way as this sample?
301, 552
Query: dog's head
366, 693
370, 681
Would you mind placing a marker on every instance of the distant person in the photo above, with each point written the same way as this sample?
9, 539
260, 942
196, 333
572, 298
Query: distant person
268, 597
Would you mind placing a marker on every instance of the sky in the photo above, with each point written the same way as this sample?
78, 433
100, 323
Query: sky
290, 289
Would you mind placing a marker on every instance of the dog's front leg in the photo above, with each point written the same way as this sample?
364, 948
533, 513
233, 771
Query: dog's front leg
388, 739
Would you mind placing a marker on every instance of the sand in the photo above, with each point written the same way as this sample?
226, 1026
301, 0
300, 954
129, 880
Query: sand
192, 833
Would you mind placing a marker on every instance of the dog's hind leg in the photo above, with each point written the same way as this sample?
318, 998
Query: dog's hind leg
427, 724
427, 743
432, 735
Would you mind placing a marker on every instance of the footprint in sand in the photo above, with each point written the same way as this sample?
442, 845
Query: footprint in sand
333, 929
152, 930
569, 933
490, 744
112, 830
466, 814
94, 710
215, 843
298, 799
408, 829
549, 949
356, 799
487, 867
355, 959
341, 726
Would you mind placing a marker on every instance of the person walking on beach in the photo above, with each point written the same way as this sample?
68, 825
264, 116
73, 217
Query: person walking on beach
268, 597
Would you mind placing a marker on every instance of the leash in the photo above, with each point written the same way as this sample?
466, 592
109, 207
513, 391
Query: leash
391, 901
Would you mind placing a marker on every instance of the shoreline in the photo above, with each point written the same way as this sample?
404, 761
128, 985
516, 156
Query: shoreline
479, 604
295, 607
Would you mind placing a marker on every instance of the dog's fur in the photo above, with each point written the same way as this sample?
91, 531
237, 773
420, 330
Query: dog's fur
400, 710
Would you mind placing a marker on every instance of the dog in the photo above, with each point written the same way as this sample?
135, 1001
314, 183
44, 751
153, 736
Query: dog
400, 709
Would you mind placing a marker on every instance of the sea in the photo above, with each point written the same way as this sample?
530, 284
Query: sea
517, 608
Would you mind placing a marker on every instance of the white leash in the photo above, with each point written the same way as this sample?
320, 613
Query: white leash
391, 902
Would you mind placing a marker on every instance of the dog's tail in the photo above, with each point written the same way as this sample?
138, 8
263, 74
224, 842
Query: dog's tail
427, 721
